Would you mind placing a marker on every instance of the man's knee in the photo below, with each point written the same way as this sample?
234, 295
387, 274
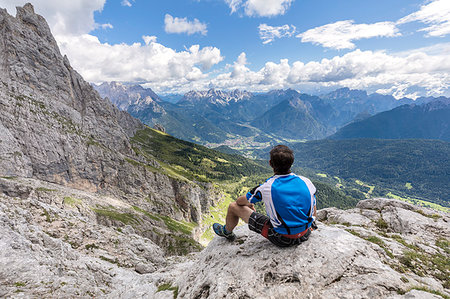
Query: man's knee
242, 212
233, 207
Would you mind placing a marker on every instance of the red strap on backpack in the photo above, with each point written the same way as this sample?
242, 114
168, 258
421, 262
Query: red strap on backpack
296, 236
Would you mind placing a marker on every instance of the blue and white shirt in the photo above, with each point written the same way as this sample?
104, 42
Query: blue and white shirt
289, 200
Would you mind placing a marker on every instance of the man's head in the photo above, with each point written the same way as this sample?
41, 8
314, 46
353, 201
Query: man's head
281, 159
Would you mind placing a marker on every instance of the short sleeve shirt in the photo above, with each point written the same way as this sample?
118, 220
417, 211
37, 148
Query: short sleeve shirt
289, 201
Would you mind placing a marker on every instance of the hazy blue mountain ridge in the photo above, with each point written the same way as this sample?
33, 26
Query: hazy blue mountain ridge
426, 121
179, 123
215, 116
349, 104
171, 98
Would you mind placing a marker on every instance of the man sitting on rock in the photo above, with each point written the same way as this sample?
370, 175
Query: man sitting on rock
289, 201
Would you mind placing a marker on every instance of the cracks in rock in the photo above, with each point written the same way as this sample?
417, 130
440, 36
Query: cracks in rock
388, 288
277, 278
346, 270
237, 293
203, 293
337, 279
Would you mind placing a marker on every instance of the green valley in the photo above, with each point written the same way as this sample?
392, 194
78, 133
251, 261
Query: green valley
412, 168
230, 174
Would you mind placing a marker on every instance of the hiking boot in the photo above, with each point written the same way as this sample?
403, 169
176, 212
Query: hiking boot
220, 230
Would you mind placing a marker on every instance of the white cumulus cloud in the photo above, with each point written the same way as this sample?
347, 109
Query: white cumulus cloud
260, 8
340, 35
167, 70
435, 14
399, 74
269, 33
126, 3
64, 17
240, 77
365, 69
234, 4
182, 25
106, 26
149, 39
151, 62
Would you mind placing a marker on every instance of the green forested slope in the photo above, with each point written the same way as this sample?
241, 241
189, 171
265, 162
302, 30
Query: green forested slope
233, 174
193, 161
417, 168
328, 196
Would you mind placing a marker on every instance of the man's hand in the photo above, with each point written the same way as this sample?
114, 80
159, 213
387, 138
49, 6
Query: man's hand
252, 206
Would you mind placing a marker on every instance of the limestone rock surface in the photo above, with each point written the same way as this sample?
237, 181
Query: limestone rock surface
53, 244
34, 262
360, 258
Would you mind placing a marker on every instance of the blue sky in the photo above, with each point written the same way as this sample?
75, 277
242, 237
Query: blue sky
396, 47
237, 32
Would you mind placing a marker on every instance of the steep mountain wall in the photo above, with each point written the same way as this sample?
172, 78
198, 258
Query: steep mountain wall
55, 122
56, 128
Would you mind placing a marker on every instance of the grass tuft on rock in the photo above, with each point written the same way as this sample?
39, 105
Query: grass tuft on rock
125, 218
432, 216
381, 224
444, 244
421, 263
373, 239
168, 287
172, 224
71, 201
423, 289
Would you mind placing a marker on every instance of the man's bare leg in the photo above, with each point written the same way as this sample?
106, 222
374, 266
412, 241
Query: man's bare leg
236, 211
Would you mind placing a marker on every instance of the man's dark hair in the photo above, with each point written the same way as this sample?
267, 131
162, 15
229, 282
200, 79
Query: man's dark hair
281, 159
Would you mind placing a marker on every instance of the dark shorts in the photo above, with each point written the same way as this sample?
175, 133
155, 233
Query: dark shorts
256, 223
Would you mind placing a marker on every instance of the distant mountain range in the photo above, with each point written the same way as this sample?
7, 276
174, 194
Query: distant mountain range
215, 97
123, 95
242, 119
427, 121
291, 118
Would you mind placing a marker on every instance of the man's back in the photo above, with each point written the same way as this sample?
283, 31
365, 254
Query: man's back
288, 200
290, 205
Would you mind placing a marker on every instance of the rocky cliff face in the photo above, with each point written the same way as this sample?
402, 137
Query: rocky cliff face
55, 127
54, 122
